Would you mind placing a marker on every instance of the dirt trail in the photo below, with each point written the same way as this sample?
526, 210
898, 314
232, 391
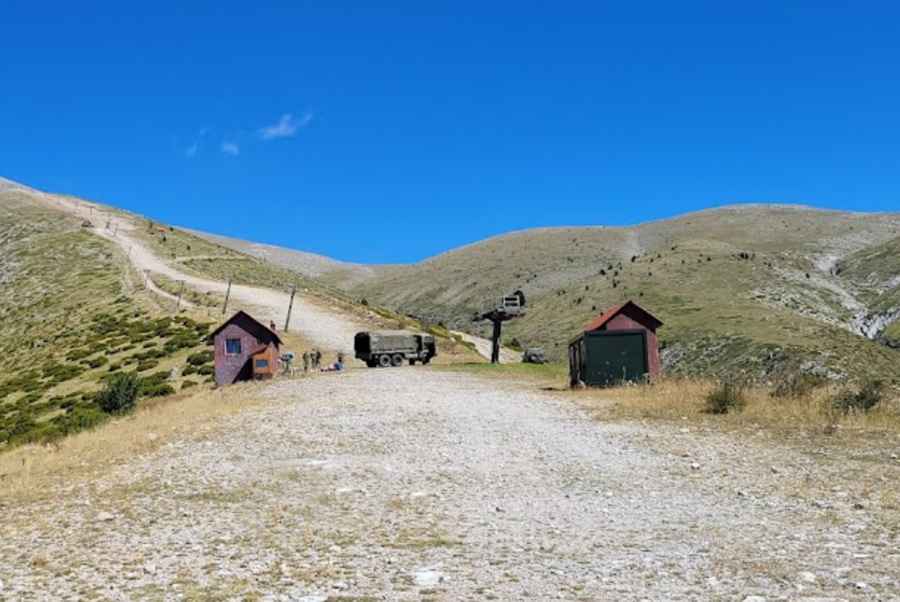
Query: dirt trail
414, 484
326, 328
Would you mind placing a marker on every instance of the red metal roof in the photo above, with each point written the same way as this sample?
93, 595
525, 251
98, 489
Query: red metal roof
609, 314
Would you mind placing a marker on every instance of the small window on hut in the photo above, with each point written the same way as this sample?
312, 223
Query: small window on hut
233, 346
262, 364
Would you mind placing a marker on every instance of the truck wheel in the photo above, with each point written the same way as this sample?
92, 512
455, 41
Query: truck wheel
412, 362
426, 361
384, 361
397, 360
371, 363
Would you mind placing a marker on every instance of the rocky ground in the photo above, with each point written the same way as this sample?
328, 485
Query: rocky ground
415, 484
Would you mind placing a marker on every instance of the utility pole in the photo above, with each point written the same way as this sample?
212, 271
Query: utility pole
227, 294
287, 320
178, 299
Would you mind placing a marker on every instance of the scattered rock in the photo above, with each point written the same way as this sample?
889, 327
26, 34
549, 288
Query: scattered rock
105, 516
428, 577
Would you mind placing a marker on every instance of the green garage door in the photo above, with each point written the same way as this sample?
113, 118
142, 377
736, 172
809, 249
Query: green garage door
612, 357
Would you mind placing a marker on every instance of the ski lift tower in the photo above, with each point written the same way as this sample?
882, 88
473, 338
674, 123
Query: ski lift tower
509, 307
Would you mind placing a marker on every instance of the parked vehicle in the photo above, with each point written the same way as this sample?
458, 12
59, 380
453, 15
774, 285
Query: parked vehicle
392, 347
534, 355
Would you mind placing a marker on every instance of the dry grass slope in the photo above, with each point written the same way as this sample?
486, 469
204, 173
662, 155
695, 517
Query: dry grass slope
755, 289
71, 316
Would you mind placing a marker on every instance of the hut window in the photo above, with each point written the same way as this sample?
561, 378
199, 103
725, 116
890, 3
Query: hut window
233, 346
262, 363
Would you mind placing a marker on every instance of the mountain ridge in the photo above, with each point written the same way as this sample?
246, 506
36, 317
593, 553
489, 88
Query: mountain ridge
750, 287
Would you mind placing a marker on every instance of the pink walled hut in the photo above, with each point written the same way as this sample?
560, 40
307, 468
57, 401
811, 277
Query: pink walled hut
244, 349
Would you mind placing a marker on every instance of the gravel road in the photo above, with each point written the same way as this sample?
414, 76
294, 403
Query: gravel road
413, 483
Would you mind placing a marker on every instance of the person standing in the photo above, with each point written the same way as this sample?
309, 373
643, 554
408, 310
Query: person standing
305, 362
318, 360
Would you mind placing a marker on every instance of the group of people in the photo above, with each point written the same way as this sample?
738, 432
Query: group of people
312, 360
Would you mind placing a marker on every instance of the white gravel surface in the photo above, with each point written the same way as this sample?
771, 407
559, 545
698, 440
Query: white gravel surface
412, 483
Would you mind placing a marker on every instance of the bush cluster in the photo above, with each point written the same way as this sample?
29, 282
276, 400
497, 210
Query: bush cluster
862, 399
120, 394
727, 396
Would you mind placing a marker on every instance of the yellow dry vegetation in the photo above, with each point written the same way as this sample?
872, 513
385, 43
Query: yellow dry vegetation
685, 399
32, 471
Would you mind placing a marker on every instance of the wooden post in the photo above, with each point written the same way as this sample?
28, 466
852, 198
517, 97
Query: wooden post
227, 294
178, 299
287, 320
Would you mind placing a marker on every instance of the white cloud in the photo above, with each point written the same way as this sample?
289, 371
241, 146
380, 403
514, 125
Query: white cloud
286, 127
230, 148
191, 151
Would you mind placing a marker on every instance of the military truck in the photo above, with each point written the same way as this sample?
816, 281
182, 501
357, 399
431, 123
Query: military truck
386, 348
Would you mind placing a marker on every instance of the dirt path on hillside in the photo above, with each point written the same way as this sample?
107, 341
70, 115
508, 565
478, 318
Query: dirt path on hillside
329, 329
324, 327
413, 484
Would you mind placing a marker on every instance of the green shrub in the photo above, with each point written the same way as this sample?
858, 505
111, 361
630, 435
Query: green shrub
862, 399
157, 378
97, 361
145, 365
188, 384
120, 394
160, 390
189, 369
728, 396
200, 358
206, 370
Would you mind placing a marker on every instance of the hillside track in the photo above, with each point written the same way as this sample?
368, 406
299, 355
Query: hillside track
414, 483
322, 326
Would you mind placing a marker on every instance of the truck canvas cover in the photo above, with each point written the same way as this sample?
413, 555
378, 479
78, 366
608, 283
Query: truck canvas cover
392, 340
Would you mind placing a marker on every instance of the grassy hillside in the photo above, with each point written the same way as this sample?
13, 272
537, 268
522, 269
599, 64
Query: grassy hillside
71, 316
749, 288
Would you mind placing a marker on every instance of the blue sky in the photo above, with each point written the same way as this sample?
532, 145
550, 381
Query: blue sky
323, 125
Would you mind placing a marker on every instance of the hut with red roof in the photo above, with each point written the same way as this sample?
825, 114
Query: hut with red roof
619, 345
